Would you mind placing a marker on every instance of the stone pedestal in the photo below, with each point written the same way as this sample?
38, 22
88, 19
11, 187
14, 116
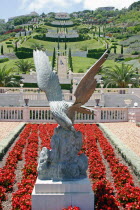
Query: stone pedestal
56, 195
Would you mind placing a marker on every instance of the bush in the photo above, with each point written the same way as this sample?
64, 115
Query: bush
8, 42
10, 46
135, 53
2, 60
95, 53
23, 53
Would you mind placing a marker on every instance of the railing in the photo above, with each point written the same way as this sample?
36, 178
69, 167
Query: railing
10, 90
43, 114
97, 90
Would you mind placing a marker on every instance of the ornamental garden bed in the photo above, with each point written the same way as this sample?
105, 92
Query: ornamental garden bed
113, 182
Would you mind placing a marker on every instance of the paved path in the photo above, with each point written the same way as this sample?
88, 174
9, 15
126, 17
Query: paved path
128, 133
6, 128
62, 67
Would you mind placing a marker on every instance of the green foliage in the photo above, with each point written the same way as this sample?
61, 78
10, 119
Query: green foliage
41, 30
66, 86
119, 76
24, 65
7, 36
8, 42
10, 46
37, 46
53, 58
23, 53
121, 49
80, 71
135, 53
2, 60
22, 20
135, 5
83, 30
70, 60
2, 49
95, 53
8, 77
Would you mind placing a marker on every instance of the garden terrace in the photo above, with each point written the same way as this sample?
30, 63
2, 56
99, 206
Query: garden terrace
62, 16
62, 23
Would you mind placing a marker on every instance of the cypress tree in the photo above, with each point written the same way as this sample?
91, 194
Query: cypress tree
99, 32
1, 49
58, 45
65, 46
115, 47
53, 59
16, 47
121, 49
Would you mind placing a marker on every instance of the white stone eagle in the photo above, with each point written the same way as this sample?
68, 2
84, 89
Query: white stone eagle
63, 111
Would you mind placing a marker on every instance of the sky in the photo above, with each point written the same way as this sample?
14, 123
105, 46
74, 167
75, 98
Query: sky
10, 8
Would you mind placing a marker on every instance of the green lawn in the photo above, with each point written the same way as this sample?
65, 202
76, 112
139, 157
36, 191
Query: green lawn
81, 63
48, 45
75, 46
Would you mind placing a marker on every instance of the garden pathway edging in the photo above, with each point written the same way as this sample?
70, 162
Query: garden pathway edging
130, 157
6, 142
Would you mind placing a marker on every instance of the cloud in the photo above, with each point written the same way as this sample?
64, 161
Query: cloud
72, 5
119, 4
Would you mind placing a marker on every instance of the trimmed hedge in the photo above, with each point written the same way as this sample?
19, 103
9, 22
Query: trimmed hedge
2, 60
10, 45
23, 53
95, 53
8, 42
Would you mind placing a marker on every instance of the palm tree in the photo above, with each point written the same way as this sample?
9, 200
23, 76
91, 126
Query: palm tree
24, 65
120, 76
7, 77
38, 46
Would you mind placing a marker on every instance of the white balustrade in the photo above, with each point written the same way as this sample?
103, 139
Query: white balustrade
11, 113
30, 91
43, 114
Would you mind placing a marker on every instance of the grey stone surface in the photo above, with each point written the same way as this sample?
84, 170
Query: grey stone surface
124, 150
56, 195
63, 161
6, 142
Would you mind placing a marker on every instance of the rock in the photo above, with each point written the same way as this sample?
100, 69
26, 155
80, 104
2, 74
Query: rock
63, 161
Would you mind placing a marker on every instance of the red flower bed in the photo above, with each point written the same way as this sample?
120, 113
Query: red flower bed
121, 192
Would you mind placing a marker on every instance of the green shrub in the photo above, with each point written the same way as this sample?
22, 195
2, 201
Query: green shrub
135, 53
10, 46
8, 42
2, 60
23, 53
81, 71
95, 53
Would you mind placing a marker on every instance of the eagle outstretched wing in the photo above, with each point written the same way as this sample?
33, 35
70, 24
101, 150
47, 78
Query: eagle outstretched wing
47, 80
87, 85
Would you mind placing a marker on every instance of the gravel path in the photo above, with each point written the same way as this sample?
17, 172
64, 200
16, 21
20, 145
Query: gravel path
128, 133
6, 128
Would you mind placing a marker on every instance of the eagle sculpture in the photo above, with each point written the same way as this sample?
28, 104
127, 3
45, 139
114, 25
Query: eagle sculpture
63, 111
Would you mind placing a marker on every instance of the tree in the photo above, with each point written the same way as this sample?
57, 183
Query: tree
53, 58
121, 49
38, 46
8, 77
2, 49
99, 31
24, 65
120, 76
16, 46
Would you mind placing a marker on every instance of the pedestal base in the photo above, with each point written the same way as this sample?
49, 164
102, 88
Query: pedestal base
53, 195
